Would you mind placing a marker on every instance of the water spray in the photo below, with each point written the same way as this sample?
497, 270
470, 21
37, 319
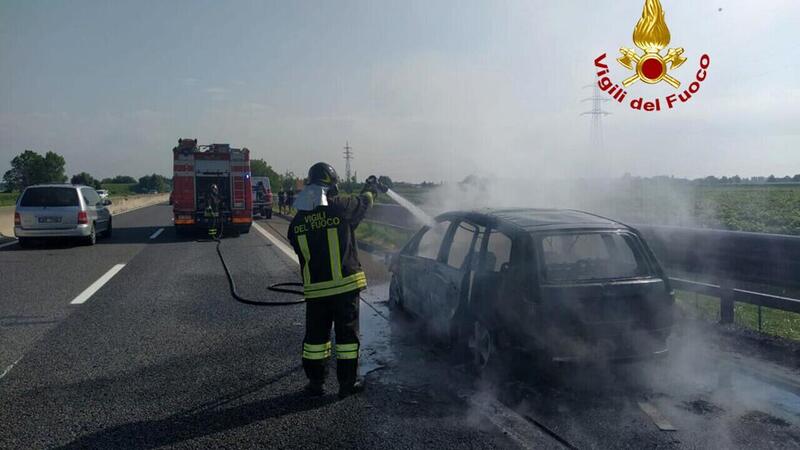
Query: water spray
384, 185
415, 210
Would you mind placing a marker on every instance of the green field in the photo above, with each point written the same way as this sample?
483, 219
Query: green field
414, 194
120, 189
762, 208
8, 199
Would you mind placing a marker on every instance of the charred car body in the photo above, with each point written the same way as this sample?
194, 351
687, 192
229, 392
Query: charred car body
559, 285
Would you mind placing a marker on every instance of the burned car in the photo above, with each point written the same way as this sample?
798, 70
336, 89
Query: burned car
559, 285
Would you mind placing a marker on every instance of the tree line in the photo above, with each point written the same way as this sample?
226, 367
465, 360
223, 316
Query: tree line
29, 168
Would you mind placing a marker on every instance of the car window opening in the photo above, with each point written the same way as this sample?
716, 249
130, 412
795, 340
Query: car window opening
50, 196
583, 257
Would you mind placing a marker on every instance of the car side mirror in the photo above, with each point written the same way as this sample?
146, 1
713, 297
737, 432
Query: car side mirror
106, 202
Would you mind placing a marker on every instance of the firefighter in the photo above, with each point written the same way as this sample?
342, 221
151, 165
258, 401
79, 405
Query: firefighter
323, 236
213, 203
281, 200
213, 199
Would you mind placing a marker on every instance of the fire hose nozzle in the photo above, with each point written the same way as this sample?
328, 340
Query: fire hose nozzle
380, 183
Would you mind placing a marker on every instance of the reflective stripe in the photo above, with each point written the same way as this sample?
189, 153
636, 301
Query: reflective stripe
333, 252
311, 355
317, 351
338, 284
346, 351
317, 347
303, 241
350, 283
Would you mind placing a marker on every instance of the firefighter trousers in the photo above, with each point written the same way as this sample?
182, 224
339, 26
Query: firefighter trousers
341, 311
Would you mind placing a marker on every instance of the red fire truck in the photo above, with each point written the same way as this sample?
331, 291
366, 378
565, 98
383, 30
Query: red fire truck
196, 169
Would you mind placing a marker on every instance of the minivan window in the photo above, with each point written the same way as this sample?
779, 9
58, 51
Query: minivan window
498, 251
461, 246
90, 196
50, 196
431, 241
590, 256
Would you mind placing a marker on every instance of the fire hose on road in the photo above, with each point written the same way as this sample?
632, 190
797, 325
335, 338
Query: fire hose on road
216, 236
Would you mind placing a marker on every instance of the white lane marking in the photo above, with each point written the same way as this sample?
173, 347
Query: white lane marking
655, 415
7, 244
277, 243
8, 369
94, 287
509, 422
157, 233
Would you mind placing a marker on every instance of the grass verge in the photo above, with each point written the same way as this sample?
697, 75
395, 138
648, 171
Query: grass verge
773, 321
387, 238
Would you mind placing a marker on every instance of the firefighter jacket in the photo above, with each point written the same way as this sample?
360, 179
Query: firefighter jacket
325, 243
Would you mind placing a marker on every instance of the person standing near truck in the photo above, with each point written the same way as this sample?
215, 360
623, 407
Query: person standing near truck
281, 201
322, 234
289, 201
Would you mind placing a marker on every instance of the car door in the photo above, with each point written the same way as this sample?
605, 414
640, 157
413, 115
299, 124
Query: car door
95, 209
492, 273
416, 263
450, 278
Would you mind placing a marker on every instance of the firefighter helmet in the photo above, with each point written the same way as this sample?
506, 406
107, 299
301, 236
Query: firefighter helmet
323, 174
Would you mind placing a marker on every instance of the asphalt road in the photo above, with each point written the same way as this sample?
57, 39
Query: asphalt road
161, 355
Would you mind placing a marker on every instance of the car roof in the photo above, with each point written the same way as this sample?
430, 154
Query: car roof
535, 219
62, 185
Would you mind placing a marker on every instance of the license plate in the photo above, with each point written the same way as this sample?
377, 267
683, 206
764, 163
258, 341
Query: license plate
49, 219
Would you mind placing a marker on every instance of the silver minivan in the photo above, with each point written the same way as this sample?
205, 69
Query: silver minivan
61, 210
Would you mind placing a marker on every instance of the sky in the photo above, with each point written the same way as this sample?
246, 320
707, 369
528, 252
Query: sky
422, 90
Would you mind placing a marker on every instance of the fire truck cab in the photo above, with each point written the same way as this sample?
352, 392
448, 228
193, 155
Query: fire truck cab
196, 169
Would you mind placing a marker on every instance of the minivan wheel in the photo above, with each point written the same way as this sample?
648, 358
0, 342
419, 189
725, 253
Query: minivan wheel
92, 238
482, 348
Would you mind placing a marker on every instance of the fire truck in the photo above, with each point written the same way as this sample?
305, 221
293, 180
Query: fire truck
196, 169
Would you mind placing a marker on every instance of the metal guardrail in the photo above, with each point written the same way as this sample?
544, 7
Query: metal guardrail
729, 296
733, 259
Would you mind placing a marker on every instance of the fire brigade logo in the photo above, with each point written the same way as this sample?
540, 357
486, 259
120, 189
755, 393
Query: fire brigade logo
651, 35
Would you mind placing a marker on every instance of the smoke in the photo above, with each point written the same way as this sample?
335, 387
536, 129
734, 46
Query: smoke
660, 200
700, 387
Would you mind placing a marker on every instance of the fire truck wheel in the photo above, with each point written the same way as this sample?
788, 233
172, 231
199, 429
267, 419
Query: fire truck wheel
244, 229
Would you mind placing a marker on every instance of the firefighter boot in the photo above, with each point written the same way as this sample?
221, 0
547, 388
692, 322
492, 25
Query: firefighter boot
315, 388
347, 390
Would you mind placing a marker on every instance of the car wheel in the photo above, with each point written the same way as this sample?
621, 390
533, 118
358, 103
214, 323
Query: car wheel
92, 238
24, 242
482, 348
395, 294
